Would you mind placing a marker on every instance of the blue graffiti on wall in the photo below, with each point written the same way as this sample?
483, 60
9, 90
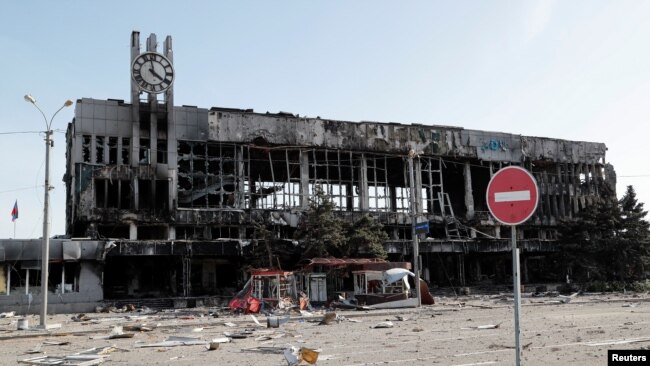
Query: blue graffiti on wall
494, 145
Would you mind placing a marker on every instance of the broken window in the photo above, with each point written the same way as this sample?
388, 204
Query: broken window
432, 187
162, 195
85, 148
126, 150
145, 151
112, 150
231, 232
191, 233
153, 232
207, 174
452, 200
125, 194
113, 231
111, 193
161, 151
144, 194
100, 193
64, 277
161, 140
24, 277
480, 180
272, 177
336, 172
99, 149
378, 191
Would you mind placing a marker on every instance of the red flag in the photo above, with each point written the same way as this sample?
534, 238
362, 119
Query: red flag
14, 212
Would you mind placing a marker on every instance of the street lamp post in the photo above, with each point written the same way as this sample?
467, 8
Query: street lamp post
414, 234
45, 256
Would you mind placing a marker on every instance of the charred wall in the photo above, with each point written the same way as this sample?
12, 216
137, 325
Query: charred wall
204, 176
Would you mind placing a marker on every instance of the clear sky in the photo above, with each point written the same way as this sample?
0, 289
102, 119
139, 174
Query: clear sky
577, 70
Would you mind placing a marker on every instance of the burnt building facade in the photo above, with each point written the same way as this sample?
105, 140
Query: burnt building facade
174, 192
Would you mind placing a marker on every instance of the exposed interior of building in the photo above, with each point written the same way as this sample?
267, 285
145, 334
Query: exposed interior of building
172, 194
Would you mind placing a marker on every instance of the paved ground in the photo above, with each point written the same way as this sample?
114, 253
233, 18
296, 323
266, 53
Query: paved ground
448, 333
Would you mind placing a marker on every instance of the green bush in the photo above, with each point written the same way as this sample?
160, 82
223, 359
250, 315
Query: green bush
617, 286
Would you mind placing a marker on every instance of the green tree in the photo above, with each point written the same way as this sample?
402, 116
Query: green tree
366, 238
321, 232
608, 240
634, 237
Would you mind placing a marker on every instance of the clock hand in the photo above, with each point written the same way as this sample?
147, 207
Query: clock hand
154, 73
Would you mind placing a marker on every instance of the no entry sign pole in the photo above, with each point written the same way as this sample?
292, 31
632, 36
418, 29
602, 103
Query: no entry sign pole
516, 284
512, 196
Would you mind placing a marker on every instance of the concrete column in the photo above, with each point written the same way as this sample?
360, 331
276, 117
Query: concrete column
62, 277
172, 149
304, 179
469, 196
133, 231
363, 178
135, 105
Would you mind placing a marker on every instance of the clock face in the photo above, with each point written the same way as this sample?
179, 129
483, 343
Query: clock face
152, 72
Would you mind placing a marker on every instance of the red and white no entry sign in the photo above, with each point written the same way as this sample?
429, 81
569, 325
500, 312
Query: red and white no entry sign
512, 195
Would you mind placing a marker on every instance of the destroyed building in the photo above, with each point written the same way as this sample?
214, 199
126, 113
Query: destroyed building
170, 195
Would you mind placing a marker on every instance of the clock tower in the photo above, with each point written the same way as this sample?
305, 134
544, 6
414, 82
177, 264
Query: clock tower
154, 143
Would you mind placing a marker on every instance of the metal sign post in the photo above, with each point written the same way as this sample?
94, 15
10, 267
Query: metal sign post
516, 284
512, 197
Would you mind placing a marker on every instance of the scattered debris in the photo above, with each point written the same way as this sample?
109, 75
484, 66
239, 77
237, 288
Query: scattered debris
328, 319
173, 341
238, 335
220, 340
351, 320
632, 305
386, 324
257, 322
79, 360
488, 326
137, 328
270, 350
34, 350
401, 318
53, 343
567, 299
80, 318
9, 314
275, 322
296, 356
93, 356
22, 324
617, 342
229, 324
306, 314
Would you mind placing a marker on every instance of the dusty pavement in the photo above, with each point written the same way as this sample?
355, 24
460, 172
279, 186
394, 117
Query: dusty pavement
455, 331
